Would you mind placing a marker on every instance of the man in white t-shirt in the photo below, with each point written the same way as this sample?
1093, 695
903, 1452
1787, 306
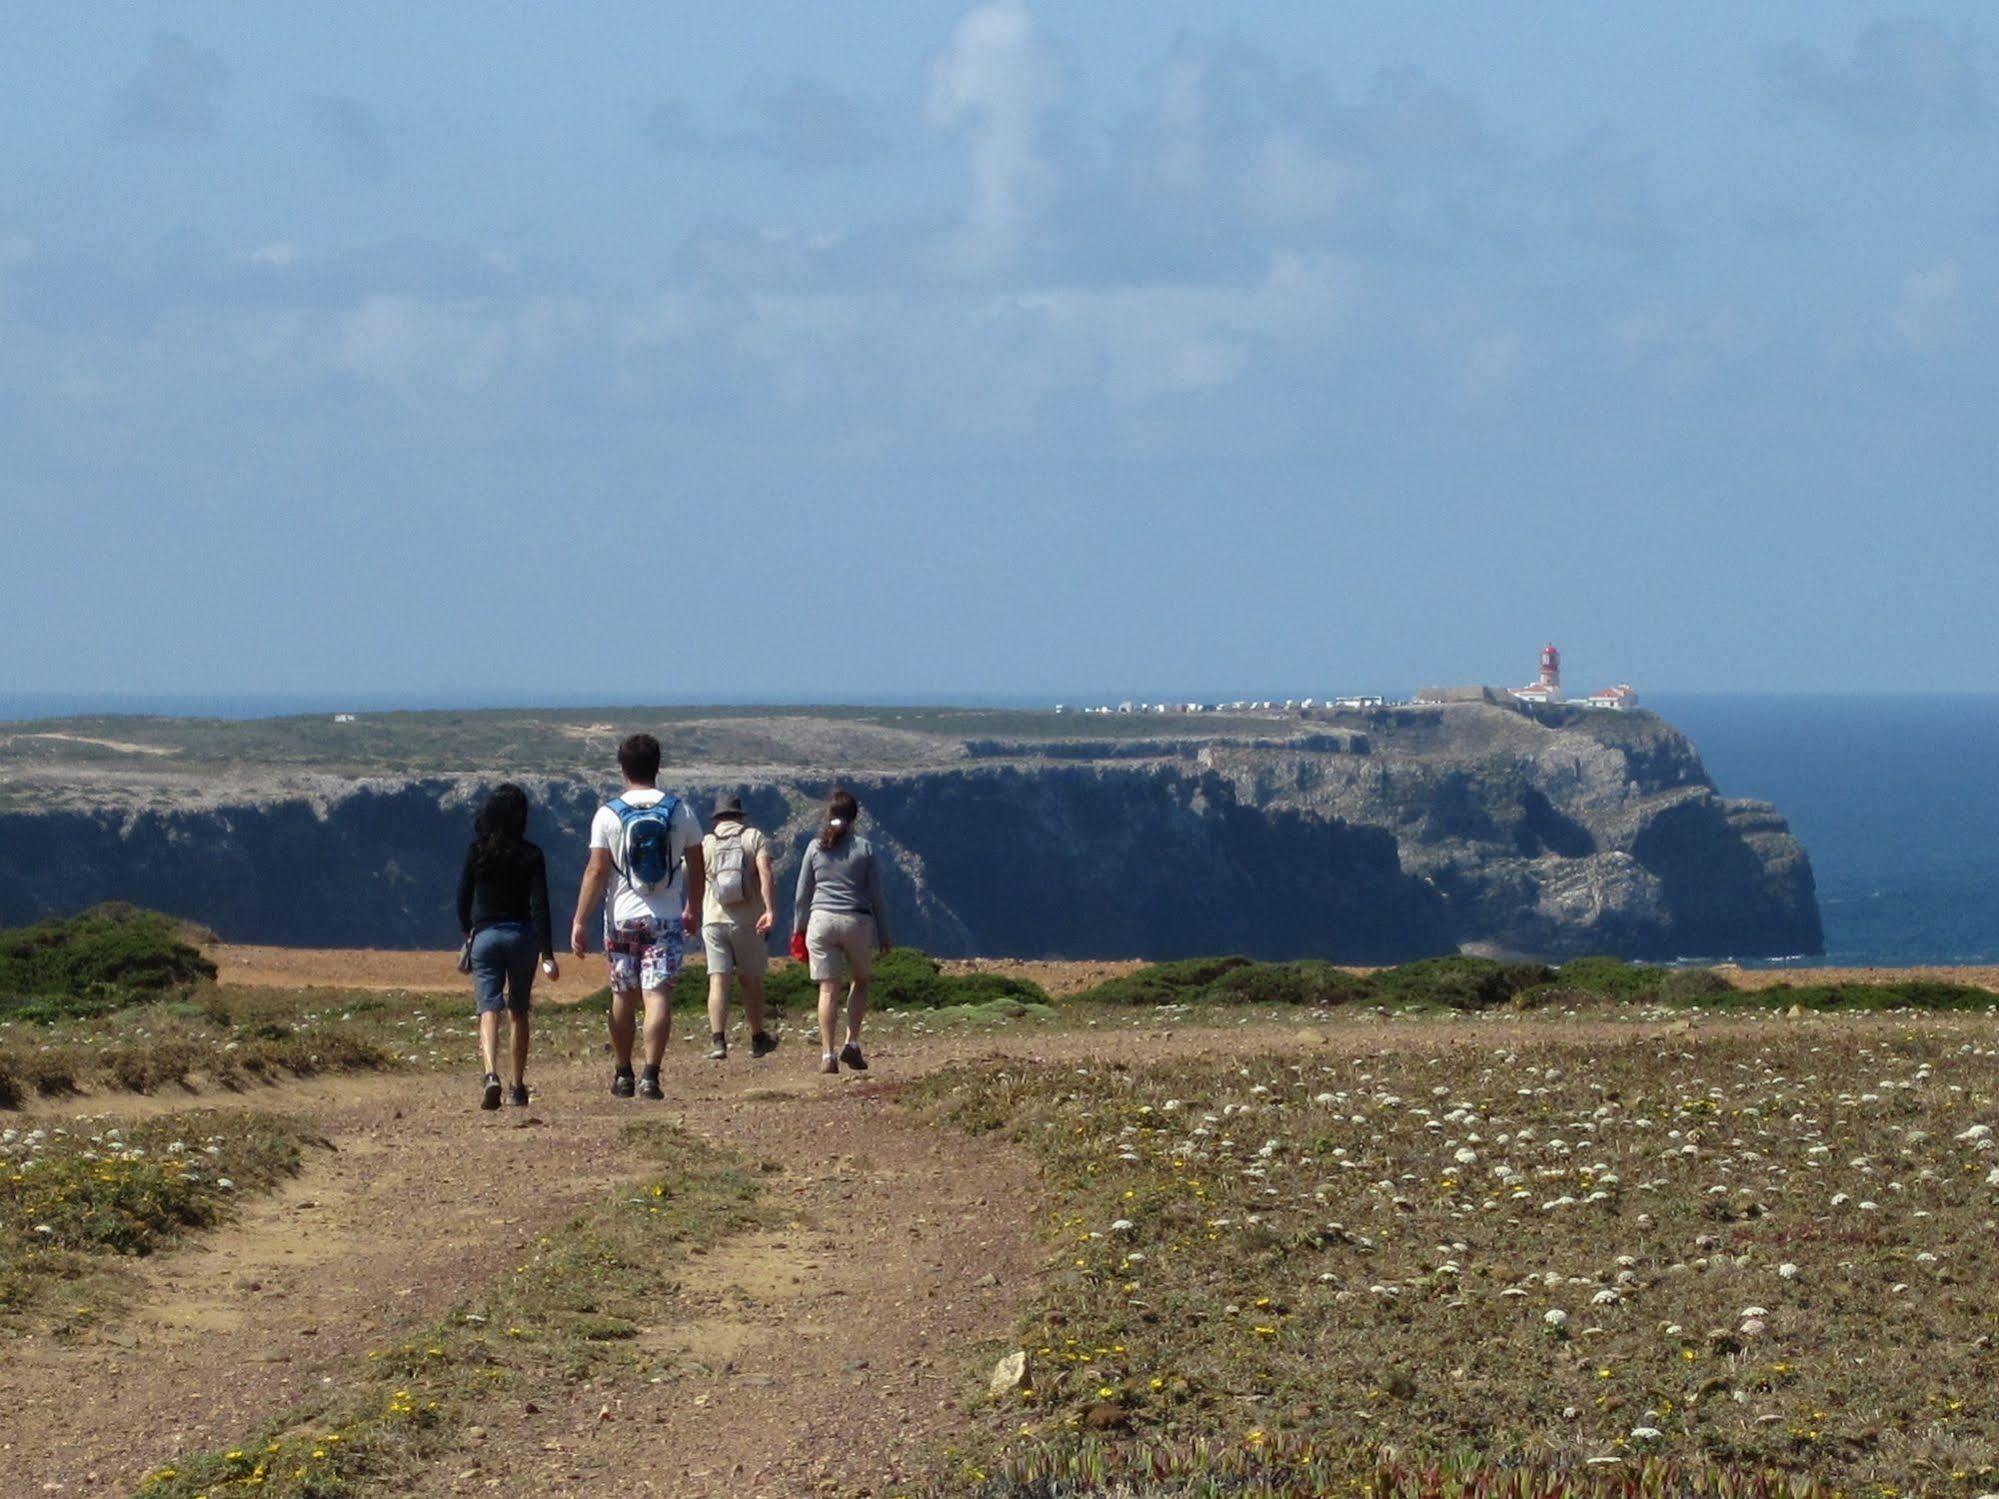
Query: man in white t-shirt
646, 868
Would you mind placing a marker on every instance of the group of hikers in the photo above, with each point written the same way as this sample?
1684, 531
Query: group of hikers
660, 879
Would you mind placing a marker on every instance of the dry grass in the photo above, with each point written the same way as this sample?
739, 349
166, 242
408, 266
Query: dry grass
75, 1197
1767, 1258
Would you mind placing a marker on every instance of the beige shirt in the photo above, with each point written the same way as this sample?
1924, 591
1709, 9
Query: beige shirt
713, 912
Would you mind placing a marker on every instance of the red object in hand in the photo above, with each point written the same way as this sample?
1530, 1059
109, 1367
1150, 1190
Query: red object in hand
798, 946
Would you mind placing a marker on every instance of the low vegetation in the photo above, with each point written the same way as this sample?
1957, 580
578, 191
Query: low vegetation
1474, 984
1761, 1264
571, 1311
904, 979
76, 1196
224, 1038
105, 959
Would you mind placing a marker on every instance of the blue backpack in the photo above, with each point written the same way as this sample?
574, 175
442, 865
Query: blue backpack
649, 862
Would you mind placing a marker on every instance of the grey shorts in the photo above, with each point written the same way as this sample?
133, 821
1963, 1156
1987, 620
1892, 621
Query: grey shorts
735, 947
840, 946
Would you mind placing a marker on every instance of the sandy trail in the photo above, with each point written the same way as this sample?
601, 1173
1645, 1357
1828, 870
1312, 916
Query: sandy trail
870, 1291
829, 1351
387, 968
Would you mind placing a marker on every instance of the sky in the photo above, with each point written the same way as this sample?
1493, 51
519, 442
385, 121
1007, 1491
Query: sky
617, 352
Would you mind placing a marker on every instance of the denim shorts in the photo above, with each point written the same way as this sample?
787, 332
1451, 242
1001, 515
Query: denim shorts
503, 963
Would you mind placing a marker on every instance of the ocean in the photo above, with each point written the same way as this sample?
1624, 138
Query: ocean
1895, 797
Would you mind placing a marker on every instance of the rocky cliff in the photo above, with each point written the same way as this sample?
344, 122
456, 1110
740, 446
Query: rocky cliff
1364, 838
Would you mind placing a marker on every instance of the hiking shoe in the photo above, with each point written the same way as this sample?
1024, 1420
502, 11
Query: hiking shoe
649, 1087
621, 1083
829, 1063
762, 1044
491, 1098
851, 1055
719, 1052
517, 1095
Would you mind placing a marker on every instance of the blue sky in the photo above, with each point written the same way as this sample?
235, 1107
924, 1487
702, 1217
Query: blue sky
619, 352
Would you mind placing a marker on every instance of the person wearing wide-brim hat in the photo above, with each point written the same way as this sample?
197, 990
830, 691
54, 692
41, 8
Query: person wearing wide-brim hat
737, 909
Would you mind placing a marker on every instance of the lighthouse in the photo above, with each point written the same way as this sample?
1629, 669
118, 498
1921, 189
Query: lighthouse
1548, 687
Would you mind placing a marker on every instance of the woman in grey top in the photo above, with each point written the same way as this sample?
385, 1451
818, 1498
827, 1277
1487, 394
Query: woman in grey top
841, 923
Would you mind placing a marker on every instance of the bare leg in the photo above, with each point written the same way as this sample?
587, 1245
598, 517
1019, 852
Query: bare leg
753, 1000
519, 1038
659, 1024
857, 1009
489, 1040
624, 1025
718, 1002
829, 1014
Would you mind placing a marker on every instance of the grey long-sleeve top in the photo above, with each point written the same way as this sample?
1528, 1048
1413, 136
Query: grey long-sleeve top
844, 880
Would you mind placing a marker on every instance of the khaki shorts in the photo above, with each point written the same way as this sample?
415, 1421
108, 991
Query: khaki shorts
735, 947
840, 946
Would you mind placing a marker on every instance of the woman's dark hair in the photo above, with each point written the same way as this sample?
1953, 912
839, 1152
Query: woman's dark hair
500, 828
841, 810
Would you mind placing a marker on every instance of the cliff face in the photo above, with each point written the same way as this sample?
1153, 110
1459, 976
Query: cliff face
1381, 838
1001, 860
1557, 834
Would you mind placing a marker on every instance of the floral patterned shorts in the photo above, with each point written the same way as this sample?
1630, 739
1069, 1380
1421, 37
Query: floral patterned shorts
645, 953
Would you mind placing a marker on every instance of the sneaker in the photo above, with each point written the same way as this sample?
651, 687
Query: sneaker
649, 1086
762, 1044
517, 1095
719, 1052
621, 1083
851, 1055
491, 1098
829, 1063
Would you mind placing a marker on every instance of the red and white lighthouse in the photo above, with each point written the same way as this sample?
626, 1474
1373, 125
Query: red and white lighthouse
1548, 687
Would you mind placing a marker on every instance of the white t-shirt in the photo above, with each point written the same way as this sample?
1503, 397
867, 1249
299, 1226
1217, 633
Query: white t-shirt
607, 830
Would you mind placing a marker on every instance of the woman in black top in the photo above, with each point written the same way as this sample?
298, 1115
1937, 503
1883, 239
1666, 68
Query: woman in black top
503, 910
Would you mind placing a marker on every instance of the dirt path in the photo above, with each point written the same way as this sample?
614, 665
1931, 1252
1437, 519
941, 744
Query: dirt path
828, 1352
415, 1203
904, 1245
381, 968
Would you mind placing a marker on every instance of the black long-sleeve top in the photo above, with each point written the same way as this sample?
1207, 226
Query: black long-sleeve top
515, 888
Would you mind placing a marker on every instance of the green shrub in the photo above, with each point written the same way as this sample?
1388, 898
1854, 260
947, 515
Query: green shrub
1612, 978
1694, 986
106, 958
1304, 983
904, 979
1163, 983
1460, 983
1907, 994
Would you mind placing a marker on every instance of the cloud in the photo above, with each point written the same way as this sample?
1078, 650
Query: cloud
672, 130
807, 127
1928, 312
803, 126
353, 132
1234, 151
174, 94
1905, 78
995, 81
1608, 193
